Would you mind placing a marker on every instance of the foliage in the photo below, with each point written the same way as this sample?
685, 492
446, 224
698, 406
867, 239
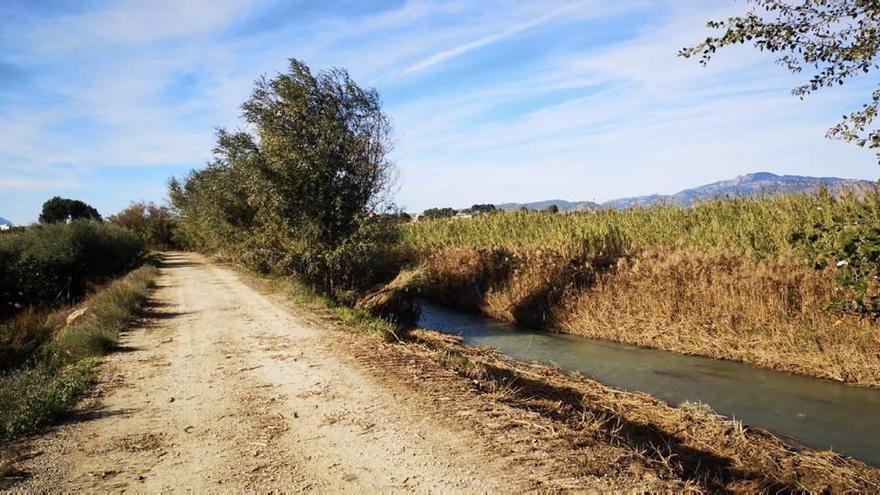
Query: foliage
436, 213
482, 208
32, 397
836, 39
853, 247
305, 192
62, 370
52, 264
552, 209
154, 225
60, 209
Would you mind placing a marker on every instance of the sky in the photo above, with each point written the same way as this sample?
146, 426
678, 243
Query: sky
491, 101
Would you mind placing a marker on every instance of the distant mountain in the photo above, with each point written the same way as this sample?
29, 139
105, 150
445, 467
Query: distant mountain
4, 221
749, 185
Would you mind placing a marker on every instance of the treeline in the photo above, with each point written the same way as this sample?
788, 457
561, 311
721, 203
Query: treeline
304, 192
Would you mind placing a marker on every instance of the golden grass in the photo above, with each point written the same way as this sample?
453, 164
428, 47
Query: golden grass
769, 313
711, 302
733, 278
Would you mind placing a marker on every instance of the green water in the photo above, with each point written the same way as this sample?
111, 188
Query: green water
817, 413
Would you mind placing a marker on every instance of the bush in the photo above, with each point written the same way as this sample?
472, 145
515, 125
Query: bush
52, 264
154, 225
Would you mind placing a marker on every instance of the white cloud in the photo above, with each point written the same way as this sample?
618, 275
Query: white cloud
495, 37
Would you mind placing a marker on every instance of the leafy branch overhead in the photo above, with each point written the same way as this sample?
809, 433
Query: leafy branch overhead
834, 40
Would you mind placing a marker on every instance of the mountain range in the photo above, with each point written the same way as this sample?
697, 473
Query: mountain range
4, 221
749, 185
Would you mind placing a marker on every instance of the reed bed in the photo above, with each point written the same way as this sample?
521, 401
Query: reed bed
760, 227
785, 282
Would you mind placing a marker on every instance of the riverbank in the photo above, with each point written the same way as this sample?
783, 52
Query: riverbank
574, 427
787, 283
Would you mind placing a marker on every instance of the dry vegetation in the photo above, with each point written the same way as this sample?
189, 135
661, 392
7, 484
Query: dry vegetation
787, 282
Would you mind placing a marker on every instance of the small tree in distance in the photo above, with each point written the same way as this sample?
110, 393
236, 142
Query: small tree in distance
60, 209
153, 224
438, 213
552, 209
483, 209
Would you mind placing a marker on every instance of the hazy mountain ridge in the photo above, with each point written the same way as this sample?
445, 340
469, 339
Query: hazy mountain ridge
749, 185
4, 221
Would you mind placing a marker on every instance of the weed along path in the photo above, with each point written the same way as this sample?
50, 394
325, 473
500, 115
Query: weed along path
225, 391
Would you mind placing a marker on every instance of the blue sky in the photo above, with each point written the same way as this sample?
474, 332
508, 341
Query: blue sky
492, 101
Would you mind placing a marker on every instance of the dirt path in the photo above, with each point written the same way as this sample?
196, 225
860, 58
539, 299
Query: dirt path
225, 391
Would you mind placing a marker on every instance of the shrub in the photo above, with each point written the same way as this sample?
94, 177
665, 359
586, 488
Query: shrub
53, 264
154, 225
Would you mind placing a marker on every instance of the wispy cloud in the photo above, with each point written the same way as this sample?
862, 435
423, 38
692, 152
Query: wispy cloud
492, 101
439, 58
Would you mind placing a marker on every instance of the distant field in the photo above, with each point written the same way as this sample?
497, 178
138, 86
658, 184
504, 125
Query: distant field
761, 227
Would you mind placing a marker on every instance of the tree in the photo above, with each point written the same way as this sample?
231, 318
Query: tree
303, 189
60, 209
552, 209
482, 209
154, 225
438, 213
836, 40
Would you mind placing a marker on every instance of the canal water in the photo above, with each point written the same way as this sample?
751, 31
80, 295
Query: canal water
817, 413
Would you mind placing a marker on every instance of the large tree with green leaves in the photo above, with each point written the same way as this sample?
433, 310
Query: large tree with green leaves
301, 189
831, 40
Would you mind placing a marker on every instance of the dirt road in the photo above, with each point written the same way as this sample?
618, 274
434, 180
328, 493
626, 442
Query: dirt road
225, 391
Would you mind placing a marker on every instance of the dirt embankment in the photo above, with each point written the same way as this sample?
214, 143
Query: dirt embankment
228, 390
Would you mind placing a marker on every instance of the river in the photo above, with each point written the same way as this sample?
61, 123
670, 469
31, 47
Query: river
818, 413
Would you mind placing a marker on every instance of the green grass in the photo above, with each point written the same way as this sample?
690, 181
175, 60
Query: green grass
62, 368
33, 397
303, 295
